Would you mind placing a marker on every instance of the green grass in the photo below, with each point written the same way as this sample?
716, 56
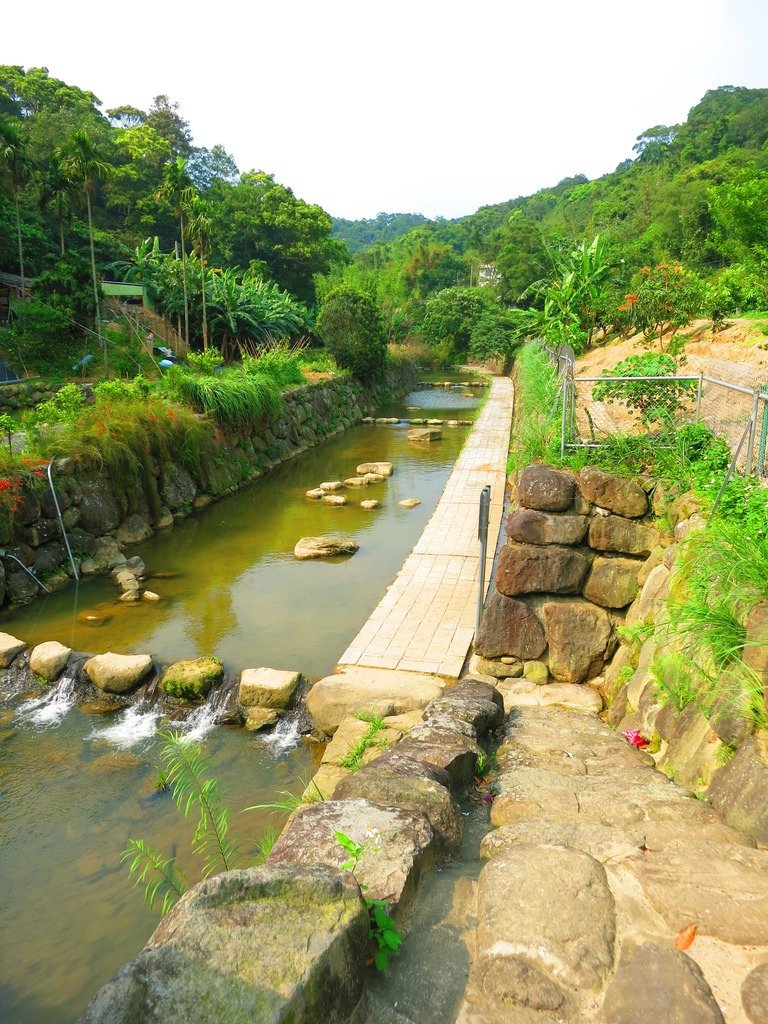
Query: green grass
353, 760
233, 398
278, 364
537, 421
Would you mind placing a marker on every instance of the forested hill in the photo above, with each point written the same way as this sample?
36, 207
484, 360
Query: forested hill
384, 227
696, 193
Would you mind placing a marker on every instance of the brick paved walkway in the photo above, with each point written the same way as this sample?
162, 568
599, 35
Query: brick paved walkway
426, 620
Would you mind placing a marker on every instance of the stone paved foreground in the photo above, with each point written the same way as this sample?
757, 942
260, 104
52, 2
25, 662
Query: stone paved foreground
426, 620
610, 894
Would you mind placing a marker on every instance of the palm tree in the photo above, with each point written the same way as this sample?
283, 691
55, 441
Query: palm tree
176, 189
81, 160
200, 224
57, 194
16, 168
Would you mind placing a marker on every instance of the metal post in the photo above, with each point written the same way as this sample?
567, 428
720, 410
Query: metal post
564, 417
763, 436
482, 534
751, 440
698, 398
61, 522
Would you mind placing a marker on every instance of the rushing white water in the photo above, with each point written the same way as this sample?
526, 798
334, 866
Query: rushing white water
49, 709
133, 726
284, 736
199, 723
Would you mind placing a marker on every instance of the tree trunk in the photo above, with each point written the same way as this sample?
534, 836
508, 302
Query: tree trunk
21, 247
205, 314
102, 339
184, 281
61, 236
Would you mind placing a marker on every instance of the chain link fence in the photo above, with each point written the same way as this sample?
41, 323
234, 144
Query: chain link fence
731, 398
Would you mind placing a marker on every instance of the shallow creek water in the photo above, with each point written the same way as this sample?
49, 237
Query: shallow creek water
74, 787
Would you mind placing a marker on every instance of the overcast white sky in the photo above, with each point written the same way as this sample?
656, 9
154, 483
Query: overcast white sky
427, 106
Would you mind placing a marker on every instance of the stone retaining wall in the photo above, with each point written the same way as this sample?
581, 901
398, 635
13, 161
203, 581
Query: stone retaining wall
100, 519
574, 560
26, 394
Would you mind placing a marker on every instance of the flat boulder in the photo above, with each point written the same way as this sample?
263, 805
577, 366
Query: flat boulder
326, 546
398, 845
545, 489
10, 646
356, 481
257, 719
659, 985
331, 485
267, 687
334, 499
363, 689
192, 678
624, 497
614, 533
370, 503
409, 502
279, 942
316, 493
613, 582
118, 673
425, 434
49, 659
602, 843
382, 468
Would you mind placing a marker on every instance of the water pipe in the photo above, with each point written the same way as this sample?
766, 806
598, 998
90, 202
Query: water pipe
27, 570
61, 522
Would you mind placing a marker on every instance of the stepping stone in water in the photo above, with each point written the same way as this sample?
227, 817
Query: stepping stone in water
370, 503
409, 502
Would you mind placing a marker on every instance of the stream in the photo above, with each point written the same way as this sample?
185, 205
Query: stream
74, 786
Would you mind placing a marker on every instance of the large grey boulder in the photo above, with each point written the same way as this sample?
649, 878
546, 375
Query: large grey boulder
327, 546
509, 628
529, 526
578, 634
267, 687
659, 985
399, 845
754, 995
10, 646
532, 569
545, 489
118, 673
739, 790
99, 510
624, 497
272, 944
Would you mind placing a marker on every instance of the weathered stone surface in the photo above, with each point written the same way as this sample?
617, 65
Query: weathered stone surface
530, 569
612, 582
381, 468
692, 755
612, 533
399, 845
756, 646
357, 689
659, 985
99, 511
529, 526
450, 751
10, 646
334, 499
602, 843
326, 546
723, 890
578, 634
192, 678
509, 628
387, 788
509, 669
135, 529
421, 434
481, 713
655, 590
177, 487
315, 493
49, 659
624, 497
370, 503
118, 673
351, 730
739, 790
526, 693
267, 687
754, 995
272, 943
356, 481
552, 906
409, 502
331, 485
537, 672
261, 718
545, 489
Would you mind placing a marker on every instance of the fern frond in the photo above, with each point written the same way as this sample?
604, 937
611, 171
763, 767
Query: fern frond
160, 876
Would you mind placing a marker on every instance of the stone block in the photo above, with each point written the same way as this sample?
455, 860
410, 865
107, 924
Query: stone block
364, 689
578, 634
118, 673
509, 628
49, 659
531, 569
529, 526
545, 489
739, 790
624, 497
614, 533
612, 582
10, 646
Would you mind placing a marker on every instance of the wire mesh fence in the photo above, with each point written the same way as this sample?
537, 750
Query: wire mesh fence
731, 398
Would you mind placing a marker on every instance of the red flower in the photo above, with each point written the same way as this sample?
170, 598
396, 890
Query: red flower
635, 738
5, 485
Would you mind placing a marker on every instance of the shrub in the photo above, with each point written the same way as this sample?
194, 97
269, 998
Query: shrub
350, 324
498, 334
231, 397
278, 363
452, 314
40, 339
656, 401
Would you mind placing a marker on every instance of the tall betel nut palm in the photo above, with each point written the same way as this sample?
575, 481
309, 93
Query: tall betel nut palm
176, 189
57, 194
81, 160
15, 170
200, 225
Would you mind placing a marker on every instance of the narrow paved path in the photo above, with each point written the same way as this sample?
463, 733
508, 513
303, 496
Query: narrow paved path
426, 620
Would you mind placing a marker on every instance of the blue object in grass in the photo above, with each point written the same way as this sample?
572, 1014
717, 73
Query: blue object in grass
165, 363
83, 362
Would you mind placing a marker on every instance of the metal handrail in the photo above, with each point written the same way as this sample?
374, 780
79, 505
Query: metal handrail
61, 522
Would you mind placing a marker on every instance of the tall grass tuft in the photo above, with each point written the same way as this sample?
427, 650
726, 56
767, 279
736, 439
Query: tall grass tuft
233, 398
537, 424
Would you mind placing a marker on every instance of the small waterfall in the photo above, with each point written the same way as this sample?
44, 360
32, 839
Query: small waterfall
135, 725
49, 709
200, 722
284, 736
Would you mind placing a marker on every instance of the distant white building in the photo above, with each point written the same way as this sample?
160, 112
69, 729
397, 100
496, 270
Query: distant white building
488, 274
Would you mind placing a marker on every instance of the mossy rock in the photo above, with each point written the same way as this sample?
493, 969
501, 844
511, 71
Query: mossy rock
192, 679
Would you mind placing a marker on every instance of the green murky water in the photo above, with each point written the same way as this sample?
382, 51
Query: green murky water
74, 787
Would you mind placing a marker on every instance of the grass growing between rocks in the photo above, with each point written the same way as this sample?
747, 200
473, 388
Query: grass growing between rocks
353, 760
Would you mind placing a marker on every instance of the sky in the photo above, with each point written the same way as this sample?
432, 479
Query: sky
423, 106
